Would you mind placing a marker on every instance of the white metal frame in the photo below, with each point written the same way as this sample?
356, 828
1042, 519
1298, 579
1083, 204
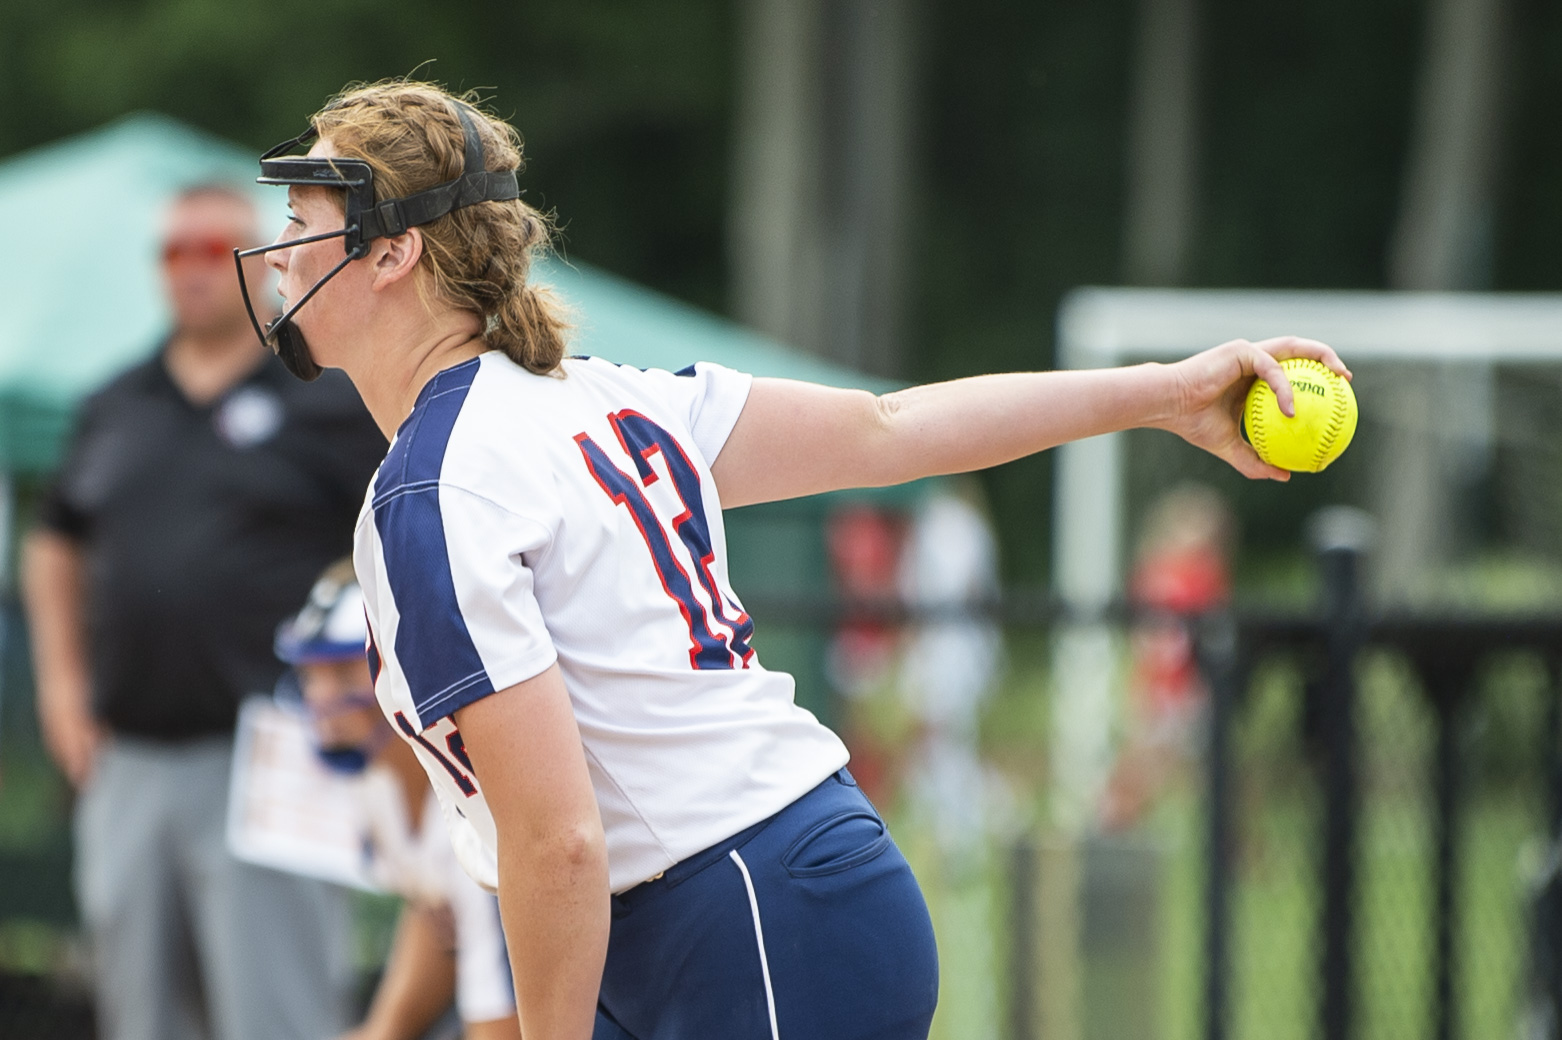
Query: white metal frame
1103, 327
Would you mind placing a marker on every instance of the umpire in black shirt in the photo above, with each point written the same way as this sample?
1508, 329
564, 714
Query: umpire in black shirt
202, 493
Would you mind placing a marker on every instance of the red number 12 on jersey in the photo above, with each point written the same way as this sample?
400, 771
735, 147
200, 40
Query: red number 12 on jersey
641, 438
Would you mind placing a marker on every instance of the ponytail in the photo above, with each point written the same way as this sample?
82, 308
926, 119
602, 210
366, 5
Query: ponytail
529, 326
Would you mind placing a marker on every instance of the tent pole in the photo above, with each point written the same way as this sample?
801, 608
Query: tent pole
7, 579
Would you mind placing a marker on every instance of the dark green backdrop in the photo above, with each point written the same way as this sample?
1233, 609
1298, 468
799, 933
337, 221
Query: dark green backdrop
627, 107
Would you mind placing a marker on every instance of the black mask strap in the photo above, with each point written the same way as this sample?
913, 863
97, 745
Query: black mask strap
471, 141
476, 184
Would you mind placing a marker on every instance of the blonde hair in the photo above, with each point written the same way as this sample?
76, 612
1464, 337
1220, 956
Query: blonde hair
479, 256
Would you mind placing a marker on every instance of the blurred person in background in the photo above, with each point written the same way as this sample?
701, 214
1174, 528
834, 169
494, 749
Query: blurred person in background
864, 545
449, 943
202, 492
1182, 568
953, 658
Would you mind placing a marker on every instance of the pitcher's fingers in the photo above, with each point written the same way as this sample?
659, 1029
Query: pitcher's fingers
1297, 346
1245, 461
1268, 369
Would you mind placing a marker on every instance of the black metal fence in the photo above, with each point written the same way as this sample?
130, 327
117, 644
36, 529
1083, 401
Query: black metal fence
1446, 656
1395, 777
1306, 779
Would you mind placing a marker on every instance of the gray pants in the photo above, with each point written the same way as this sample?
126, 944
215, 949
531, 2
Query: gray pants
188, 942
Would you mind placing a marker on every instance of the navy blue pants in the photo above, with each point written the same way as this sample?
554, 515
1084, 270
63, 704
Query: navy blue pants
806, 926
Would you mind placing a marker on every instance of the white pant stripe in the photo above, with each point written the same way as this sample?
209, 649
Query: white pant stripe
759, 936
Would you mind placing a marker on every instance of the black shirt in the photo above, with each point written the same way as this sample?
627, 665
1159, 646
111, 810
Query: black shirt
203, 527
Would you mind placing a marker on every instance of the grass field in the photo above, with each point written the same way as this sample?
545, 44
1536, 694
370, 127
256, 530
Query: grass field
1275, 905
1276, 902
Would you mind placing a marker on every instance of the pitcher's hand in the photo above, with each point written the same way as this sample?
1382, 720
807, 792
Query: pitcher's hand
1212, 386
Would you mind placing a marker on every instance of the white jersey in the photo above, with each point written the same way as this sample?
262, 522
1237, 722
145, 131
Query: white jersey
418, 865
520, 520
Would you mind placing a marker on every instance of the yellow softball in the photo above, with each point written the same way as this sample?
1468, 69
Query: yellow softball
1324, 423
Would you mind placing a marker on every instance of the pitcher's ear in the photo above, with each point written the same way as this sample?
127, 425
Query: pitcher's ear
395, 258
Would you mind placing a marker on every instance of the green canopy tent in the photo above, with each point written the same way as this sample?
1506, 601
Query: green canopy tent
82, 301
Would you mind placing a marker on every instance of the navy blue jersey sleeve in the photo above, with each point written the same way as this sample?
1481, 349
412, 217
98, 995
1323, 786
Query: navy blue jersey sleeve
465, 619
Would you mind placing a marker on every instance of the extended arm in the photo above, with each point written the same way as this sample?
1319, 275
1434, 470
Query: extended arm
419, 980
54, 592
799, 439
553, 882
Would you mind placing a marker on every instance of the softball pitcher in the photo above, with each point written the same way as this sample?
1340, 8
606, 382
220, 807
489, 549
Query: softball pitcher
679, 851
